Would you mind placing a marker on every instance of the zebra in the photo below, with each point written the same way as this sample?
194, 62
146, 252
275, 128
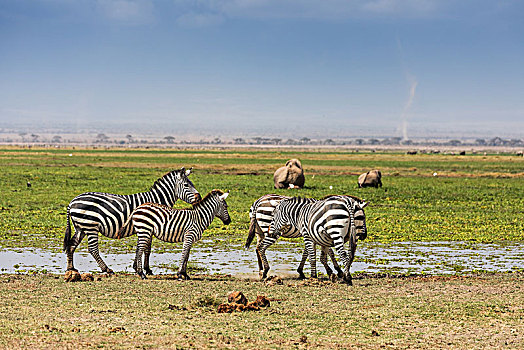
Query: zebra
176, 225
94, 212
328, 222
261, 214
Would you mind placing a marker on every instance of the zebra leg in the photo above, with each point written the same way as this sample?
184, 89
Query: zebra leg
92, 244
188, 243
339, 246
260, 237
261, 249
340, 272
323, 260
70, 250
300, 269
136, 254
147, 254
310, 247
352, 249
142, 245
137, 265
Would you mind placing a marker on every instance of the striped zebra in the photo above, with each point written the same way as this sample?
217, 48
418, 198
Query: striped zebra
261, 214
176, 225
93, 212
328, 222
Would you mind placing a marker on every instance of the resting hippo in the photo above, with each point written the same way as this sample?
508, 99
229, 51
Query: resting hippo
290, 175
370, 179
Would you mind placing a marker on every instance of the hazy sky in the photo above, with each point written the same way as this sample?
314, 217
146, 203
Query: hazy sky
326, 67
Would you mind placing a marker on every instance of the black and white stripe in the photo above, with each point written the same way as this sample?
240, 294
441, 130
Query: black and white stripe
176, 225
329, 222
92, 213
261, 214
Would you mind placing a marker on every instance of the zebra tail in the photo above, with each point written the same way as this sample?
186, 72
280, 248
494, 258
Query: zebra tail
252, 232
67, 235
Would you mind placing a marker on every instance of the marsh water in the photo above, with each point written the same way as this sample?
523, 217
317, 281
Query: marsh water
371, 257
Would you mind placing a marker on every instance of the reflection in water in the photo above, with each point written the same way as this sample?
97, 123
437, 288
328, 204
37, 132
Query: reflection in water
396, 257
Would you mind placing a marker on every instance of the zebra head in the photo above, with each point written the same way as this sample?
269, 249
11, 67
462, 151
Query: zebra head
176, 184
283, 216
185, 190
222, 212
360, 219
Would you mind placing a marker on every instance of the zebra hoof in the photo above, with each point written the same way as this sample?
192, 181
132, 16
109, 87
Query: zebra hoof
72, 269
340, 274
149, 272
142, 275
301, 276
348, 280
109, 271
183, 276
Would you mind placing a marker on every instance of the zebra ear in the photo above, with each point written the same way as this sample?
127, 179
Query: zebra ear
224, 196
188, 171
363, 205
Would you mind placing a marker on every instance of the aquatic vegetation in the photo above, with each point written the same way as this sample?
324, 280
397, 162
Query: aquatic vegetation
477, 198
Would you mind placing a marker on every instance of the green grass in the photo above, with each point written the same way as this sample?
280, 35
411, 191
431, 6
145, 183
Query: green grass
477, 198
473, 197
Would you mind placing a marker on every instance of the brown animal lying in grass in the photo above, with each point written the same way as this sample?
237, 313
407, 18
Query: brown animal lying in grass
290, 176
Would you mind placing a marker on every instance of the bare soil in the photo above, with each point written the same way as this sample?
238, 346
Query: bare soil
482, 311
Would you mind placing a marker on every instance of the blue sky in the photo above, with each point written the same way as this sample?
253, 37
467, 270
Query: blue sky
315, 68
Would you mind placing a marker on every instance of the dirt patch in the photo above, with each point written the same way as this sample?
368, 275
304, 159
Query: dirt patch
476, 311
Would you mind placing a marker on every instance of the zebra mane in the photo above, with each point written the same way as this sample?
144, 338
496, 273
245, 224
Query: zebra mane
160, 205
161, 179
296, 200
215, 191
360, 200
218, 192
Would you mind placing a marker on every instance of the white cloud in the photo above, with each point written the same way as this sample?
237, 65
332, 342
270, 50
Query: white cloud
132, 12
322, 10
199, 19
400, 7
202, 13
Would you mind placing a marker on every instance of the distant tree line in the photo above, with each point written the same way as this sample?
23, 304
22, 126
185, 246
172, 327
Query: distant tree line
129, 139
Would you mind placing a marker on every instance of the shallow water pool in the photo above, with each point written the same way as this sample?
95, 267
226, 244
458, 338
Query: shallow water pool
396, 257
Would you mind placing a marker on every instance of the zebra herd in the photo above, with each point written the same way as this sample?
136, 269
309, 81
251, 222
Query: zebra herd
329, 222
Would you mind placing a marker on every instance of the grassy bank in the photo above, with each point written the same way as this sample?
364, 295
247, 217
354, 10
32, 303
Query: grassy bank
475, 197
467, 312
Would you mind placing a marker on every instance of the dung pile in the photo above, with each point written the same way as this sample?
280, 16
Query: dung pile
74, 276
237, 301
273, 280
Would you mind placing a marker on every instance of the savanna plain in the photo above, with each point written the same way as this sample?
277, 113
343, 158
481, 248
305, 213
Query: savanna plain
425, 197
